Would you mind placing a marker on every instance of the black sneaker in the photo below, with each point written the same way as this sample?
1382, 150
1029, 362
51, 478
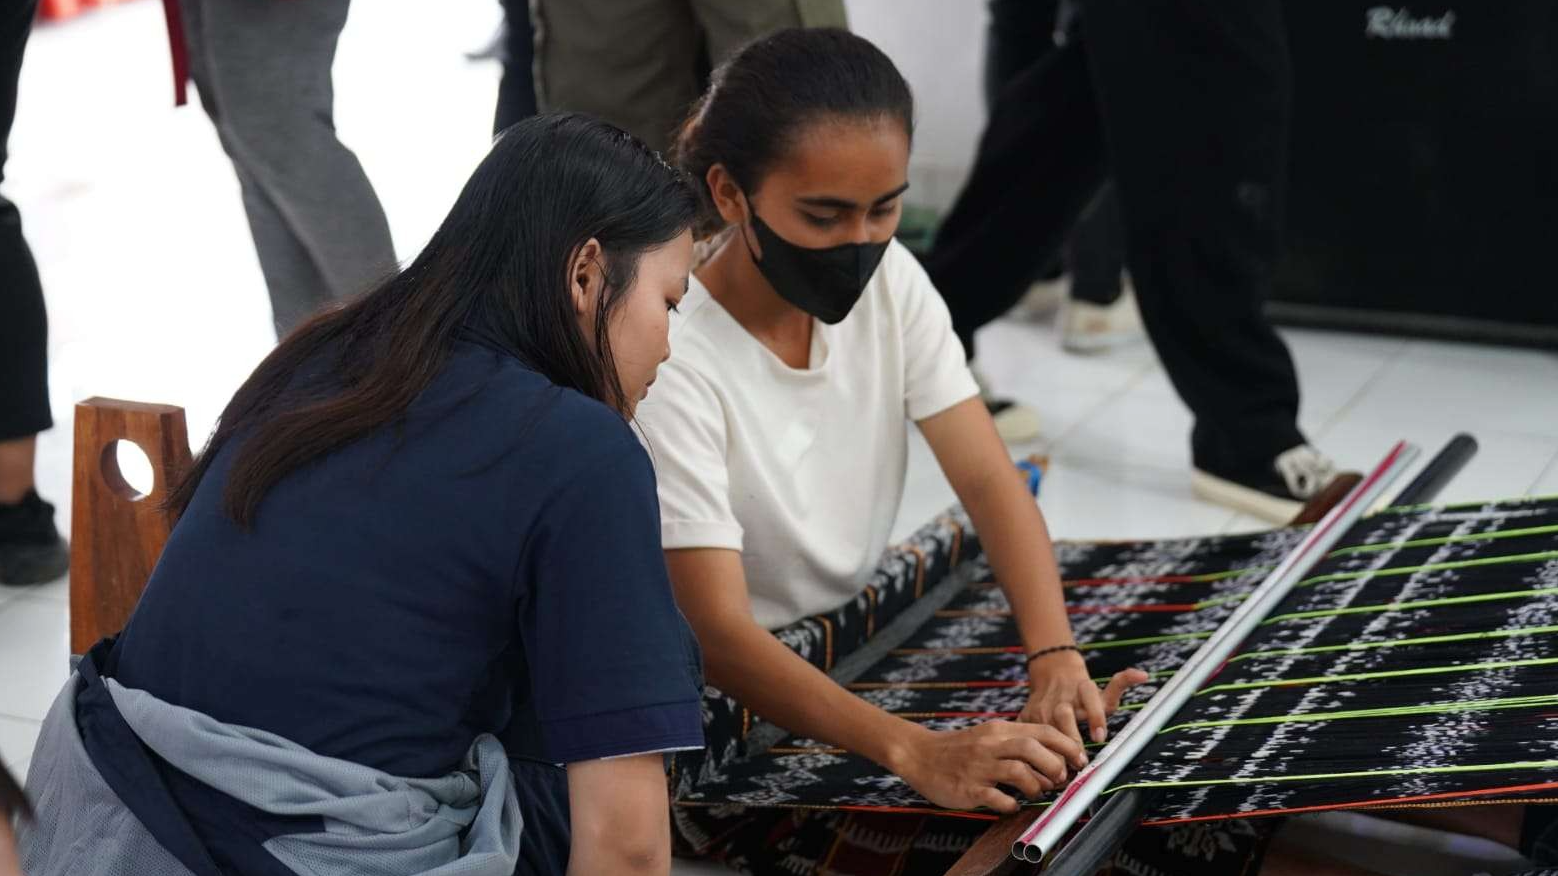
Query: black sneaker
31, 549
1278, 493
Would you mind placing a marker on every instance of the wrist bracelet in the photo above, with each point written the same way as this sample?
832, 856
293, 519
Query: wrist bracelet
1051, 650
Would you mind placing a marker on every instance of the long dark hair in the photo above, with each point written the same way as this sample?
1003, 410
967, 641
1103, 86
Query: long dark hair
760, 98
497, 269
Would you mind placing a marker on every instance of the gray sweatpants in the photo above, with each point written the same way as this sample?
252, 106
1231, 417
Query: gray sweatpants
263, 71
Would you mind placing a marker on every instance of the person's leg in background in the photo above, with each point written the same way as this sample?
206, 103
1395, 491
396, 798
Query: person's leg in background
31, 550
263, 71
1040, 162
630, 62
1021, 33
517, 89
1100, 310
1195, 100
1093, 318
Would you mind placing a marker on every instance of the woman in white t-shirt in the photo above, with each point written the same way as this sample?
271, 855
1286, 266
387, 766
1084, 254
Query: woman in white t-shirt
807, 342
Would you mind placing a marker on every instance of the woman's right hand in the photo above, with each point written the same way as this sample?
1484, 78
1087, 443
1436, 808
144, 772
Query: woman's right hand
960, 769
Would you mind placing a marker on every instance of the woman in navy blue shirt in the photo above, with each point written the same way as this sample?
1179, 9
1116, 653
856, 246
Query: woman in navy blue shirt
425, 518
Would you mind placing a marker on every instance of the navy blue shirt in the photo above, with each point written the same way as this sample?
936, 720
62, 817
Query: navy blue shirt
490, 564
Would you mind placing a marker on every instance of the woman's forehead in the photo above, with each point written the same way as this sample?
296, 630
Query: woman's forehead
860, 160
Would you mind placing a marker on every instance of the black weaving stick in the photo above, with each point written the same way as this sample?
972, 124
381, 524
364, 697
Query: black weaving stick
1439, 471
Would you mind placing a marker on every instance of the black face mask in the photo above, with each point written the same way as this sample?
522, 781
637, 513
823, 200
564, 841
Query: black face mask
825, 283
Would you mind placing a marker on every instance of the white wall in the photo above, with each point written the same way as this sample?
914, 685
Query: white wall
939, 46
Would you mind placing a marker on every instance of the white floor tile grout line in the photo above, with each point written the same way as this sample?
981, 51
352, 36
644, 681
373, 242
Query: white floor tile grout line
1055, 446
1348, 406
1552, 466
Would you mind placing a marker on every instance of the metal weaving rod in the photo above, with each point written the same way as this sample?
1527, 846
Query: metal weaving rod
1049, 829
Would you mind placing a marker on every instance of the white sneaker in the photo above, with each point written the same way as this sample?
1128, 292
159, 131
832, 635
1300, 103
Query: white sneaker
1296, 476
1086, 327
1042, 300
1015, 422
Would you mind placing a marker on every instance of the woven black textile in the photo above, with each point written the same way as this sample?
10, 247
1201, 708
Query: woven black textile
1427, 595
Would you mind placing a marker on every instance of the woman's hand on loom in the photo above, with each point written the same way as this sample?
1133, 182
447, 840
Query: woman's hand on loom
1062, 694
961, 769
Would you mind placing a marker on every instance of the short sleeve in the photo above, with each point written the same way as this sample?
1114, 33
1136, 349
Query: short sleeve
683, 425
936, 374
613, 665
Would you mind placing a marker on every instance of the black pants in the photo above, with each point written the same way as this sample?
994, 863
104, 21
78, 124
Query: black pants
1023, 33
24, 329
1192, 98
517, 88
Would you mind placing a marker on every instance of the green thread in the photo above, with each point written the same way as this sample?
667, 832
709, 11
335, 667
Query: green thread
1461, 506
1151, 676
1526, 702
1393, 643
1406, 606
1399, 570
1432, 567
1449, 539
1371, 676
1144, 640
1359, 774
1361, 609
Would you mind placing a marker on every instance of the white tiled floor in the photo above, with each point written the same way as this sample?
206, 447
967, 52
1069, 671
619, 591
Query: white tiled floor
154, 294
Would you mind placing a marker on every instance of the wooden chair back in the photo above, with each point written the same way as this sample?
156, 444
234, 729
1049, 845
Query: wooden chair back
116, 532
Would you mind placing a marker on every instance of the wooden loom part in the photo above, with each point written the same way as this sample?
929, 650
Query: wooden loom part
116, 533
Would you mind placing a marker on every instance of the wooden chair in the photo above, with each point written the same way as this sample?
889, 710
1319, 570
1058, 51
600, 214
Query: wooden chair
117, 533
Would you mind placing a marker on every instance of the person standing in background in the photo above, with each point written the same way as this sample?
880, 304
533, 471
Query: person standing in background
262, 68
1099, 311
516, 49
640, 64
1192, 99
31, 550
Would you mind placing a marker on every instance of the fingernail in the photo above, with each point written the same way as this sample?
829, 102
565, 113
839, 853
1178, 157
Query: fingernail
1100, 734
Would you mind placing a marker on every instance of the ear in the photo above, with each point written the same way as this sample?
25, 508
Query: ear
726, 193
586, 279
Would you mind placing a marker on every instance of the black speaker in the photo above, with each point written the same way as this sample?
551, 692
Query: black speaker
1423, 191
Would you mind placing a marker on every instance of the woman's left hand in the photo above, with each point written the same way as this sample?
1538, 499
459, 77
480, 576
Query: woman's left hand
1062, 694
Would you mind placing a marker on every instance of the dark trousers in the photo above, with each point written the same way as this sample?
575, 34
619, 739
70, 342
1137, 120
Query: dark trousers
24, 329
1190, 101
517, 88
1023, 33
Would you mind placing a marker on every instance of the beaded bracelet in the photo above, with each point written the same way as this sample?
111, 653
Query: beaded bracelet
1051, 650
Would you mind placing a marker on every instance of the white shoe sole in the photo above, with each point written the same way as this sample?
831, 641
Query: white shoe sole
1245, 499
1086, 327
1017, 425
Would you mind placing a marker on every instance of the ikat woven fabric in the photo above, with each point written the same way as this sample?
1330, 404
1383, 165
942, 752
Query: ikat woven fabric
1418, 662
905, 574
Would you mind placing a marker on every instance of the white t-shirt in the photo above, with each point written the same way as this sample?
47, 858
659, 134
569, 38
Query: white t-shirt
801, 470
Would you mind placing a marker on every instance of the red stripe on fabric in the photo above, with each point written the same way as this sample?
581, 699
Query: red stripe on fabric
1119, 582
1362, 804
962, 714
1132, 609
949, 813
